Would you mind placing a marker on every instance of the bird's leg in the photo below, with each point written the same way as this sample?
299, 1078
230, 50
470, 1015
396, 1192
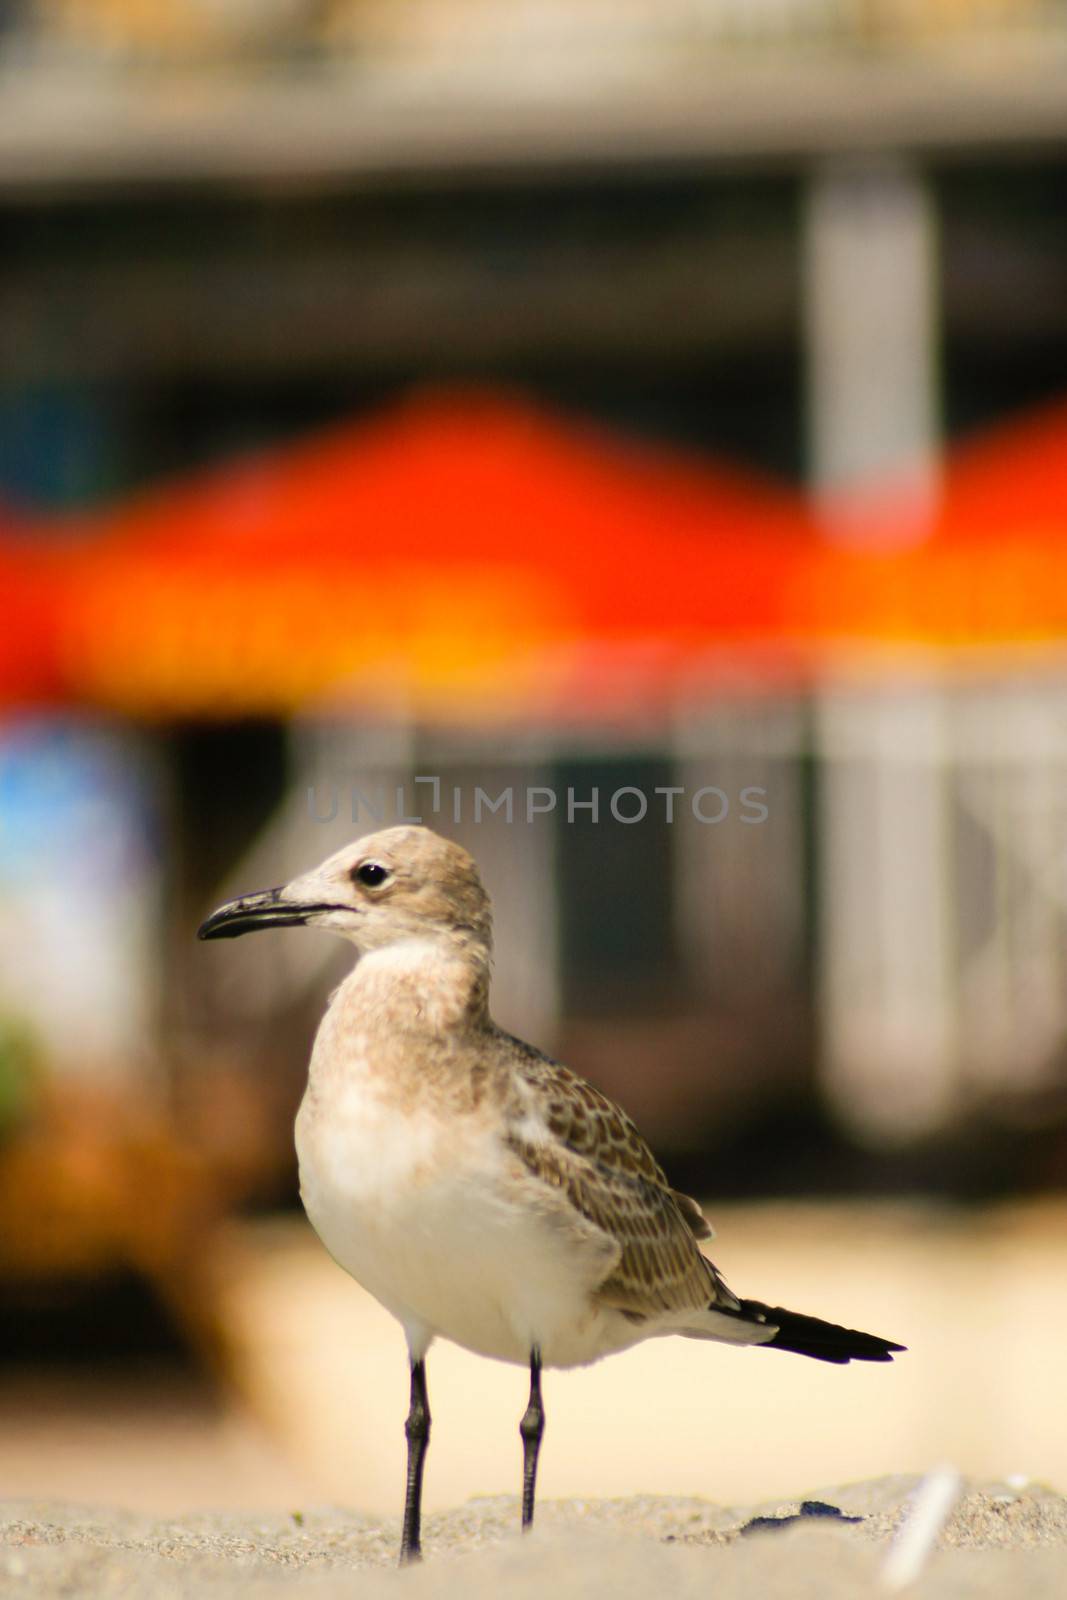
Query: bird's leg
531, 1428
417, 1429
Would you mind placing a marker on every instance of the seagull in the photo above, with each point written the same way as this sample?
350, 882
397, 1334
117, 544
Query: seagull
478, 1189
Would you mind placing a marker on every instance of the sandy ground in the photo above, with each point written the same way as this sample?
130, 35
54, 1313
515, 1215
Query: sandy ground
151, 1439
978, 1296
315, 1412
999, 1541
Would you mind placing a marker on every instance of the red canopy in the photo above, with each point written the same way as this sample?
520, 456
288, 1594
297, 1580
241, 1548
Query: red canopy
992, 569
28, 668
468, 554
460, 552
1009, 482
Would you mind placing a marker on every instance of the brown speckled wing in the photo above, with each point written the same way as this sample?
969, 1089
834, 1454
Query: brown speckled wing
597, 1158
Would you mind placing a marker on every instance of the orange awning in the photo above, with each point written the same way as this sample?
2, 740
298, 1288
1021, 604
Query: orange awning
462, 553
29, 672
468, 554
991, 571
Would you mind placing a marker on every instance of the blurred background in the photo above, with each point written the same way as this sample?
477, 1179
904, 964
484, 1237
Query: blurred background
401, 404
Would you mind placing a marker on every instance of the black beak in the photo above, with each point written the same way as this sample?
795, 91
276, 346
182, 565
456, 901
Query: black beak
254, 911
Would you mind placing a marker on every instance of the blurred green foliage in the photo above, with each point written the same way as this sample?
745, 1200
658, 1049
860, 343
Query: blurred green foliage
21, 1071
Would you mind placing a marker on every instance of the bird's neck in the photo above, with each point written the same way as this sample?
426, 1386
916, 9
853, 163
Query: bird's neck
434, 986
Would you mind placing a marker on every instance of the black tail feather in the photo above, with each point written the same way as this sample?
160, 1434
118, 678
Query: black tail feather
810, 1336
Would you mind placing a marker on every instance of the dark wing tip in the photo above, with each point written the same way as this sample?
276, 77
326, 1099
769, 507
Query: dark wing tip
822, 1341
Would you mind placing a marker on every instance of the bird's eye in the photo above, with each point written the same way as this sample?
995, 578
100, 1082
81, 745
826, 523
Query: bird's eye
372, 873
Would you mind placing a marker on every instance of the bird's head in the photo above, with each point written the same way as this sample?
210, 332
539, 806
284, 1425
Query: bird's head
388, 888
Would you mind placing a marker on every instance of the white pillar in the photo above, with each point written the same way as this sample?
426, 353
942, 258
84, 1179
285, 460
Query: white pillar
870, 298
889, 1050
